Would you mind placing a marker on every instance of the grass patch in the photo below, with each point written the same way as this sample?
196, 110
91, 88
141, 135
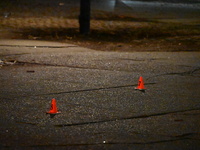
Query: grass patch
110, 34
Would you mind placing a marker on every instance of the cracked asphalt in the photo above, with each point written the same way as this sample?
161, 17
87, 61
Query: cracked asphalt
95, 93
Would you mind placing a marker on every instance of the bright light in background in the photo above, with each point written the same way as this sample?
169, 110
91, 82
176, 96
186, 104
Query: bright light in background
105, 5
160, 4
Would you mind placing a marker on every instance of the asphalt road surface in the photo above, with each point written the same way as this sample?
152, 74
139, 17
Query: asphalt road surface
100, 109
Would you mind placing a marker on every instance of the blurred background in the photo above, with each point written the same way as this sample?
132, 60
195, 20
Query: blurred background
128, 20
70, 8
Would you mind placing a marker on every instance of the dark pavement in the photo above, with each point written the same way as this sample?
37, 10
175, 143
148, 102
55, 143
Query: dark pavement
95, 93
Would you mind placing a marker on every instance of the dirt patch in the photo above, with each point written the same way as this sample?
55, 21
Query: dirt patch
108, 33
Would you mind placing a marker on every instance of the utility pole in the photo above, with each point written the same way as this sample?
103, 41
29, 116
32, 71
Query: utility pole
84, 18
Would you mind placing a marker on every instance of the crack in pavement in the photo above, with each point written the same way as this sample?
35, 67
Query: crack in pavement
190, 72
38, 46
124, 118
88, 90
144, 59
184, 136
68, 66
187, 134
7, 55
95, 89
84, 90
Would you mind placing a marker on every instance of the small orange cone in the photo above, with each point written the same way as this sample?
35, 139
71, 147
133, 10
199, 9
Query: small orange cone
53, 109
140, 85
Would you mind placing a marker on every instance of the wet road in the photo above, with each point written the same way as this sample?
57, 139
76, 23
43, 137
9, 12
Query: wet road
95, 93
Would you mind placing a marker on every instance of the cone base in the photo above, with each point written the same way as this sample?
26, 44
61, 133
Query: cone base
54, 113
139, 89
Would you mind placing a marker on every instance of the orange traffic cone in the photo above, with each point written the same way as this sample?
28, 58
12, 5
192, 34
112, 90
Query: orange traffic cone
140, 85
53, 109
